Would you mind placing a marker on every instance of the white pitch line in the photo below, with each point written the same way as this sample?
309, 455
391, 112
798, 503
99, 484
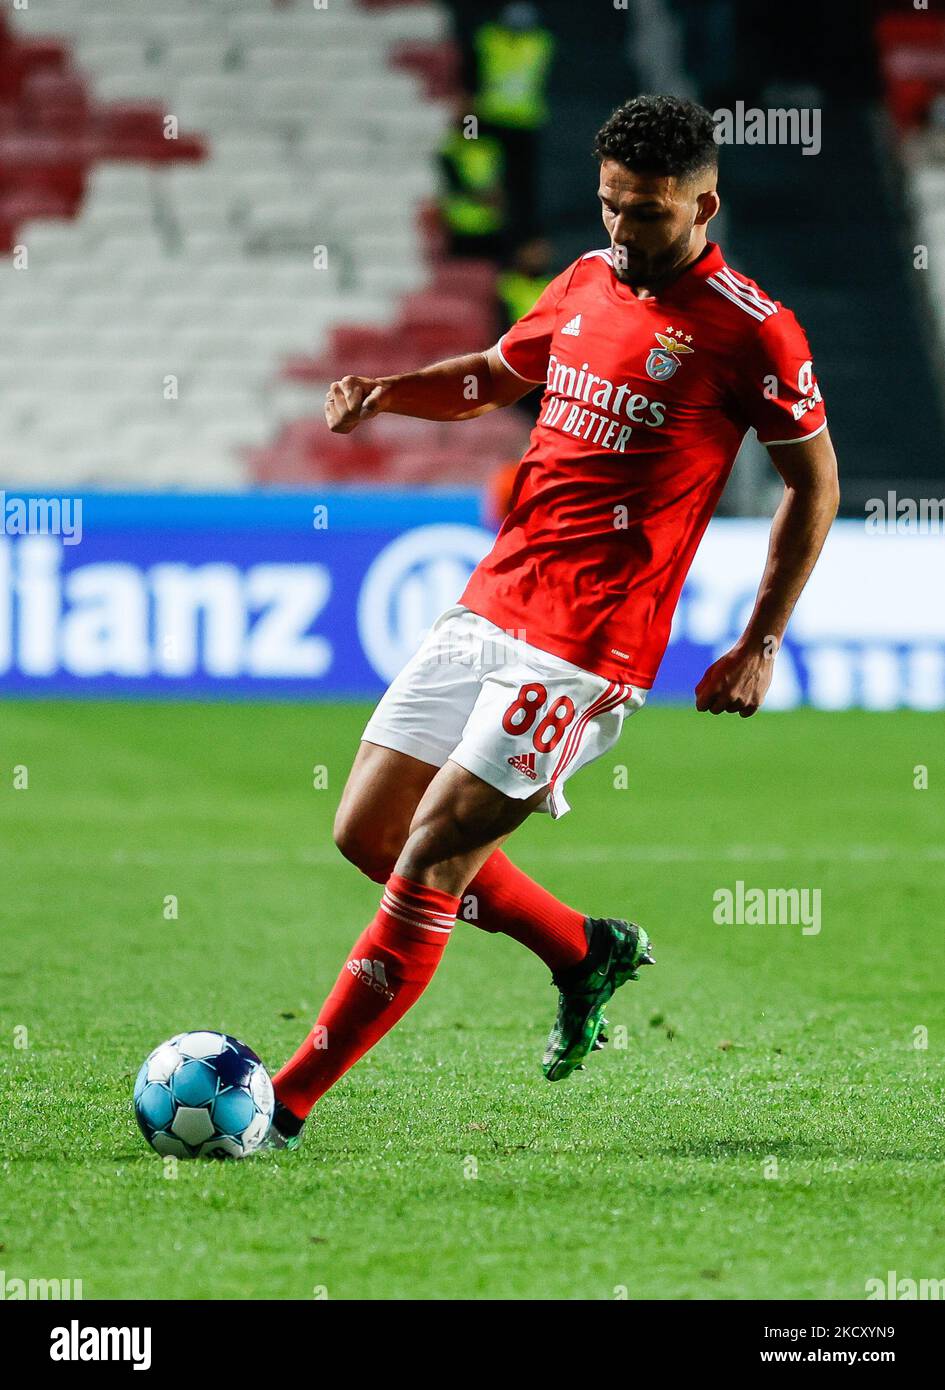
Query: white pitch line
267, 857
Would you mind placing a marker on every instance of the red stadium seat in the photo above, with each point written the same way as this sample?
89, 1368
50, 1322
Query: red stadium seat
471, 278
67, 153
912, 60
52, 132
52, 100
437, 64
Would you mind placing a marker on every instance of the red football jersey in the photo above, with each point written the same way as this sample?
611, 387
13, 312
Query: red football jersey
646, 404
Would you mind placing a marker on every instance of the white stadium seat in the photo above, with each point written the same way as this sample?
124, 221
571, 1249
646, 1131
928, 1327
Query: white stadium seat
203, 272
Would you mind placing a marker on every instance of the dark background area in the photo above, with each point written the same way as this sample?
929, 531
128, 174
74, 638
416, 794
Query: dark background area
829, 236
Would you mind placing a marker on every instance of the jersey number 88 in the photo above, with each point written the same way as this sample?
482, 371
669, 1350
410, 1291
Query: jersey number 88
523, 711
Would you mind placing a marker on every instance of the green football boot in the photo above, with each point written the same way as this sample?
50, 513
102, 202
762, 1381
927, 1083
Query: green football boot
616, 950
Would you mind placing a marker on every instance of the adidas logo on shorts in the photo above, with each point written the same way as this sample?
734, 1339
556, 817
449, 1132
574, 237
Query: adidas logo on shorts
372, 974
525, 763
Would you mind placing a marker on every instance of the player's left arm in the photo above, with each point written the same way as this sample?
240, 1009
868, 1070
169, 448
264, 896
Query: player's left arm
738, 682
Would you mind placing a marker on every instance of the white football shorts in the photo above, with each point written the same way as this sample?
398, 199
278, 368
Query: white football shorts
517, 717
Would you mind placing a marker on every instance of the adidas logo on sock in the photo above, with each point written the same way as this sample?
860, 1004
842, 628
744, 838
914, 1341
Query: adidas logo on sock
525, 763
573, 326
373, 974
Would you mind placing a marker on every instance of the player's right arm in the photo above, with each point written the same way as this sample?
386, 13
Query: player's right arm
782, 401
457, 389
462, 387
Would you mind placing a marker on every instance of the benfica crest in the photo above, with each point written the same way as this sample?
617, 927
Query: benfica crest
663, 361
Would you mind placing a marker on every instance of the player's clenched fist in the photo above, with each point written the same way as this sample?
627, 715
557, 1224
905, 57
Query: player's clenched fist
351, 400
736, 684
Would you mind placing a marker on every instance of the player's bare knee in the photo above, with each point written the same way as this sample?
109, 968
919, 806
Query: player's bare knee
364, 848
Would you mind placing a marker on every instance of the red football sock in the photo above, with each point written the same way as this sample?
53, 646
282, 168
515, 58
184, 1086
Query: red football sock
507, 901
390, 966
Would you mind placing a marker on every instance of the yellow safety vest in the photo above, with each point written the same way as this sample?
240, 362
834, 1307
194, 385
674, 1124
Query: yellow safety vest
519, 292
513, 66
478, 165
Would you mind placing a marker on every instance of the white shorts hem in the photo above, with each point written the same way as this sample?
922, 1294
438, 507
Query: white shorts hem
401, 742
496, 776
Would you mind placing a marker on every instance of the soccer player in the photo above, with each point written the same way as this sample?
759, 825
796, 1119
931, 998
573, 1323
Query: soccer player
655, 357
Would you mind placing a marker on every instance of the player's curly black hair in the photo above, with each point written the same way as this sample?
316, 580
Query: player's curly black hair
659, 135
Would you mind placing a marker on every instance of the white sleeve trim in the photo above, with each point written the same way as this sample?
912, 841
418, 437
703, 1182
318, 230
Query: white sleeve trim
769, 443
540, 381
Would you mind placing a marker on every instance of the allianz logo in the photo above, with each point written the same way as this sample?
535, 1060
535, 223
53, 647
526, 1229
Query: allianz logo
409, 584
867, 631
173, 619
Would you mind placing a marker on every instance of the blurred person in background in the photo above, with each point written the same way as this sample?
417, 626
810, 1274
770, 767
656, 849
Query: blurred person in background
513, 57
523, 280
473, 204
518, 288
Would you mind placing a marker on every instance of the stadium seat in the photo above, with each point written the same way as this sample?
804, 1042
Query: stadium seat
183, 258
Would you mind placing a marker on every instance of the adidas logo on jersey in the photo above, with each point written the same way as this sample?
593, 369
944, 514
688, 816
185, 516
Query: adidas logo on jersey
524, 763
573, 327
372, 974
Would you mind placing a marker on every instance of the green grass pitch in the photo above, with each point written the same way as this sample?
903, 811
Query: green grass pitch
767, 1123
